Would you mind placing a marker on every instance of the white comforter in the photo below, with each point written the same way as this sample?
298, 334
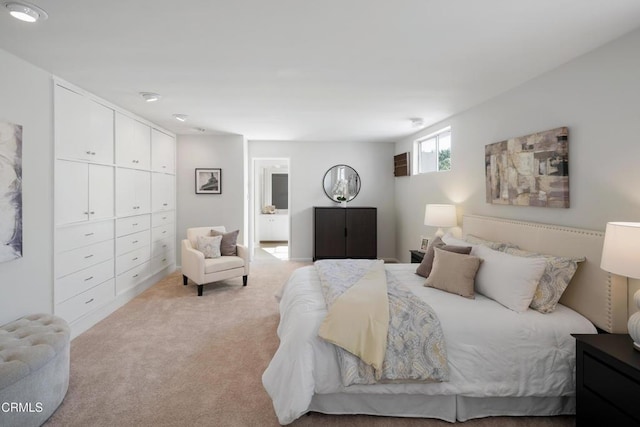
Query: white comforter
492, 350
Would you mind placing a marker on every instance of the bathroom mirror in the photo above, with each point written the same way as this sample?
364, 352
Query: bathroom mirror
341, 183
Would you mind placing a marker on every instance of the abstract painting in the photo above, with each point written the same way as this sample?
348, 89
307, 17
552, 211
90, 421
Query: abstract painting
531, 170
10, 191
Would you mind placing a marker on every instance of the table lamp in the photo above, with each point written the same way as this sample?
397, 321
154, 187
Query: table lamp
621, 255
440, 216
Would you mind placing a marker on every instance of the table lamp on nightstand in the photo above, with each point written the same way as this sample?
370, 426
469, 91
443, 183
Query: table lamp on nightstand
621, 255
440, 216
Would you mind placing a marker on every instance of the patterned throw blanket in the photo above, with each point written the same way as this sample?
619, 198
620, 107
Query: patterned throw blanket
415, 347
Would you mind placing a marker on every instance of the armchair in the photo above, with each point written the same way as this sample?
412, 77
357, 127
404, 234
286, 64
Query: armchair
203, 270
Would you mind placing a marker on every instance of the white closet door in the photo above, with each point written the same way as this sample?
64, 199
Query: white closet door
142, 186
162, 152
100, 132
162, 192
72, 192
101, 192
70, 124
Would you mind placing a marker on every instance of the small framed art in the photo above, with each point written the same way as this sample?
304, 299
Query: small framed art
208, 181
424, 244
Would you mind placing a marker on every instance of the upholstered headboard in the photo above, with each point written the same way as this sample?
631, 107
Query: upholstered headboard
599, 296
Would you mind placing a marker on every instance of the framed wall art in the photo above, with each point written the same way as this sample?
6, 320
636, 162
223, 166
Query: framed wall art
10, 191
531, 170
208, 181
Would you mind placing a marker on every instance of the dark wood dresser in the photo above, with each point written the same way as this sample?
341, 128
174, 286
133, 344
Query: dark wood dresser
345, 232
607, 380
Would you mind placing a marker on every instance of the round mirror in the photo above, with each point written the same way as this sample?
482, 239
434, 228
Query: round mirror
341, 183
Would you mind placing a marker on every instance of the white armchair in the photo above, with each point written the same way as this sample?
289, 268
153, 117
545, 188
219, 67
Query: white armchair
203, 270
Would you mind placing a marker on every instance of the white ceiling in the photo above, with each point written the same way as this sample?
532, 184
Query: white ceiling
328, 70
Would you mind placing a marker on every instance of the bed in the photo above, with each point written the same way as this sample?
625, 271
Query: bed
501, 362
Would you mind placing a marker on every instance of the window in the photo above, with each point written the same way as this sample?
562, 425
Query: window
433, 152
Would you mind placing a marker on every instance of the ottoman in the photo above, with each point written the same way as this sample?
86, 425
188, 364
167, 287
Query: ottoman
34, 369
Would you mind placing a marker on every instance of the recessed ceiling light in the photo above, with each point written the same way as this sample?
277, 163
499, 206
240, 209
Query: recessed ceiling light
150, 96
26, 12
180, 117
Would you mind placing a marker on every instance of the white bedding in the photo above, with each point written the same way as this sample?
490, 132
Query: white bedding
493, 351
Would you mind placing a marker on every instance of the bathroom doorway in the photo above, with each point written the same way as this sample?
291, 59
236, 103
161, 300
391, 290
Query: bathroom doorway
271, 219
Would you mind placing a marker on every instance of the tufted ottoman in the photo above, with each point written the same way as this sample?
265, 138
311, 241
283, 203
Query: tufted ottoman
34, 369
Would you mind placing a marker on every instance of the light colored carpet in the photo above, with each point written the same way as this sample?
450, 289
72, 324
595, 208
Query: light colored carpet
170, 358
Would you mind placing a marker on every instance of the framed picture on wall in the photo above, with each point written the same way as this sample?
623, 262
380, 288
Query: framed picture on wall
208, 181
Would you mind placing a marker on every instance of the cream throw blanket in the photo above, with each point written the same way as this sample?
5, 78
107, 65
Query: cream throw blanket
382, 331
364, 307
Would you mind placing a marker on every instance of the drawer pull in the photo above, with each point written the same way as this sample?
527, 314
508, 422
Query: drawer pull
87, 302
164, 204
88, 278
88, 256
164, 217
164, 246
135, 241
164, 231
89, 152
164, 259
134, 259
88, 234
135, 275
135, 224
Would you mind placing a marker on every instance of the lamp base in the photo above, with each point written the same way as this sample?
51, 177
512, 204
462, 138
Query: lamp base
439, 233
634, 323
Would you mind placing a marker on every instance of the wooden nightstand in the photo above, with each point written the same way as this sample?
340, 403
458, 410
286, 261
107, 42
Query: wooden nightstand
607, 380
416, 256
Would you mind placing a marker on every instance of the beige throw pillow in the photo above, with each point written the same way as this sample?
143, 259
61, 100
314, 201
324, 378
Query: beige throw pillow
427, 261
453, 272
209, 246
229, 241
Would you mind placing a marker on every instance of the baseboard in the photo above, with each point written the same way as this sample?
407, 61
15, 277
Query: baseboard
90, 319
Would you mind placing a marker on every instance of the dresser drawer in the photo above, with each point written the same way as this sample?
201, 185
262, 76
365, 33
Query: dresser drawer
81, 258
76, 283
132, 224
131, 278
162, 218
161, 232
612, 385
162, 261
85, 302
131, 259
77, 236
132, 242
162, 246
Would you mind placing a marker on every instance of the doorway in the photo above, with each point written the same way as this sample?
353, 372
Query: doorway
270, 209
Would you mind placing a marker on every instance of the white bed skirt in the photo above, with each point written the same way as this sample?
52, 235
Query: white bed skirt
446, 408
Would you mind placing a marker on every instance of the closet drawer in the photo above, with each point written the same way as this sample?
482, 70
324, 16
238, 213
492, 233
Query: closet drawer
132, 242
161, 232
76, 283
77, 236
162, 218
81, 258
162, 246
131, 278
131, 259
85, 302
161, 261
132, 224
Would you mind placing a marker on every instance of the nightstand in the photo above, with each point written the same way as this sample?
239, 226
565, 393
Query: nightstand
416, 256
607, 380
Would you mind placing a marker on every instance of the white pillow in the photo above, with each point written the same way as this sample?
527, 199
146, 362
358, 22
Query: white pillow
209, 246
507, 279
450, 239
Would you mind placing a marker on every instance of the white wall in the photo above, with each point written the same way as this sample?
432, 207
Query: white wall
596, 96
26, 284
196, 210
307, 165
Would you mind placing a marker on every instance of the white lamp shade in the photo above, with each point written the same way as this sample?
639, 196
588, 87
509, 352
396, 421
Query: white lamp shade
621, 249
440, 216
